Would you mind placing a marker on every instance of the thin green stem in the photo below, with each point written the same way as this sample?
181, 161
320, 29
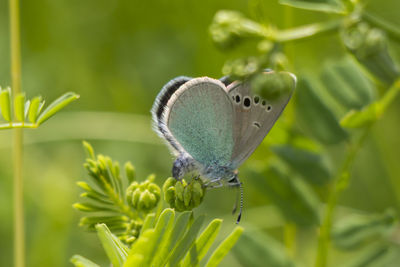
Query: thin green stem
115, 197
308, 31
14, 125
340, 183
342, 180
19, 228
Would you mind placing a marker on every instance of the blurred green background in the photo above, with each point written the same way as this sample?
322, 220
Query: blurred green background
117, 55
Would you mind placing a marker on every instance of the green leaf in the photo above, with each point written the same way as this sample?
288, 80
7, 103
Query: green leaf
186, 242
85, 186
314, 115
329, 6
163, 231
80, 261
294, 198
224, 247
89, 207
255, 248
364, 117
148, 222
19, 107
181, 226
5, 103
111, 221
347, 84
312, 166
140, 249
56, 106
34, 109
372, 112
353, 231
89, 150
202, 244
116, 251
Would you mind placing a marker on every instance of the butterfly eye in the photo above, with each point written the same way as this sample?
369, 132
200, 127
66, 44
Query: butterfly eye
256, 99
246, 102
269, 108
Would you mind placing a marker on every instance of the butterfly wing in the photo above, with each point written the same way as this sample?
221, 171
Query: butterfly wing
199, 116
253, 118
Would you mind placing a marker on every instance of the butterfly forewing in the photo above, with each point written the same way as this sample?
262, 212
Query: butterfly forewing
253, 118
200, 116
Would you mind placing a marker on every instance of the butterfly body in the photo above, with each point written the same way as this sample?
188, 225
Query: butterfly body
212, 126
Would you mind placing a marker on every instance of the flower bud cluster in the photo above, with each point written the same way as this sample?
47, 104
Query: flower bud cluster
143, 196
183, 196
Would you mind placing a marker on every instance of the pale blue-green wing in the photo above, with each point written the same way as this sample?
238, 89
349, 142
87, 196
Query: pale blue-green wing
253, 117
200, 117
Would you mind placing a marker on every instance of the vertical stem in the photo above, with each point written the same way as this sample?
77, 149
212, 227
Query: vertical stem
19, 231
340, 183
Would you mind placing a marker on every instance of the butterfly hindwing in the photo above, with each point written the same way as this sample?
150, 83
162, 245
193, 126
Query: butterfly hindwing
253, 118
199, 115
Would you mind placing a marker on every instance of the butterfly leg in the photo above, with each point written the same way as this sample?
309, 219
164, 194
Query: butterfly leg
214, 183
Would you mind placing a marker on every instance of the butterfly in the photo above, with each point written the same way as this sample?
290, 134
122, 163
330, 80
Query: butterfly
212, 126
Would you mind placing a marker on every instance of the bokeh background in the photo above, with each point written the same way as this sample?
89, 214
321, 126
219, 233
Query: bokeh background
117, 55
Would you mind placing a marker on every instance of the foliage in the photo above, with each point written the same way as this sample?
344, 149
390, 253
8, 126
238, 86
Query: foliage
19, 113
144, 238
324, 174
329, 104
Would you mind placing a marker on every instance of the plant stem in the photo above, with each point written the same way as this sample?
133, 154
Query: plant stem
340, 183
308, 31
19, 230
15, 125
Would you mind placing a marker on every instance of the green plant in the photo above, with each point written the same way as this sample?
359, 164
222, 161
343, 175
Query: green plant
15, 112
121, 211
340, 104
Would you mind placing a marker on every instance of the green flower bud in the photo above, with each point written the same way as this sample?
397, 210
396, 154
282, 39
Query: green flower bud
272, 85
183, 196
169, 196
242, 67
187, 195
179, 190
230, 27
147, 200
129, 171
135, 197
170, 182
369, 46
179, 205
198, 193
